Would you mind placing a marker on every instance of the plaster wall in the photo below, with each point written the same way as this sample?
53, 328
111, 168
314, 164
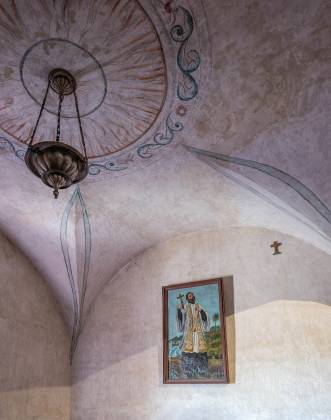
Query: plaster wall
277, 317
35, 373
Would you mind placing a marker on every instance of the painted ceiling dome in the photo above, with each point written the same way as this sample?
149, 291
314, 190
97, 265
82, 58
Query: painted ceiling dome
113, 50
136, 65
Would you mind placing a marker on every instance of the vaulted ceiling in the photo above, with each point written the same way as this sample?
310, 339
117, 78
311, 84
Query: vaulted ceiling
197, 115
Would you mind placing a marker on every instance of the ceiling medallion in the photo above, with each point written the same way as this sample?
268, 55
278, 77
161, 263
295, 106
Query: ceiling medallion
58, 164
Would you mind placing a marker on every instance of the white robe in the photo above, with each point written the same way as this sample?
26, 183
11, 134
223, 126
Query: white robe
183, 325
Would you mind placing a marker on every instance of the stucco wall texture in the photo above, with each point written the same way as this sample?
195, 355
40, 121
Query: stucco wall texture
34, 367
277, 317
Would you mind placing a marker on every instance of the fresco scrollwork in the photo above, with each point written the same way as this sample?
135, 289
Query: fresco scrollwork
188, 60
96, 168
160, 139
7, 146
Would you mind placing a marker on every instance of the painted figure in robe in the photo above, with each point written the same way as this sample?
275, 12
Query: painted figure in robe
193, 321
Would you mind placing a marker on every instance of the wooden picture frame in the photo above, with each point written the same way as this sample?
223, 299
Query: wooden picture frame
194, 352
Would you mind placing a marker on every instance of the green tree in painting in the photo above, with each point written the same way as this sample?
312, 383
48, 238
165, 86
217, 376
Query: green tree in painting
214, 341
216, 317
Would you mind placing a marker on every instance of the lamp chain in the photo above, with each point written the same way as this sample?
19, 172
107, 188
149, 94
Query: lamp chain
40, 113
58, 127
80, 124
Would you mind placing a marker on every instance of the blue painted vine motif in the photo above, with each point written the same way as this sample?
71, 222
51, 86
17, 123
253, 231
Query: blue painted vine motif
145, 151
8, 146
188, 60
95, 168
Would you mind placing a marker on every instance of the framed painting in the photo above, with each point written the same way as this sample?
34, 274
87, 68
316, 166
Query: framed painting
194, 339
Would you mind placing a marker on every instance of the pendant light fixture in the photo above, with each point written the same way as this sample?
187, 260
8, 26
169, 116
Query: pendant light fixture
58, 164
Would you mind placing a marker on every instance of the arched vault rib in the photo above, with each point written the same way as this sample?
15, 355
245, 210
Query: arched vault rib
301, 189
135, 213
187, 196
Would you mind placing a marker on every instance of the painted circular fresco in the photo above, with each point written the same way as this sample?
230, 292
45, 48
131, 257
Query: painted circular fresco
113, 50
141, 69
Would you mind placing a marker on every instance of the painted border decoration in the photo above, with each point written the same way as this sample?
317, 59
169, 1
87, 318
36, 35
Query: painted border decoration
180, 21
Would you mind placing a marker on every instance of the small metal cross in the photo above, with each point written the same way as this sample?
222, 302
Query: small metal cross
276, 246
180, 297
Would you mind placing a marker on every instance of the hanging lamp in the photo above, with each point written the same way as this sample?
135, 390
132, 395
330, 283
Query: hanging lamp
58, 164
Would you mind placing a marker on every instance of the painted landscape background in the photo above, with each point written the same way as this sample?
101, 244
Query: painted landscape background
208, 297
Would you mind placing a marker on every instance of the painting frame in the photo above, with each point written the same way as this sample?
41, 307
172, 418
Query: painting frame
222, 331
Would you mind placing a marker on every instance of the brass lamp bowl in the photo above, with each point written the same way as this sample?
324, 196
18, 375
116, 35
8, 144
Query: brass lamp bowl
57, 164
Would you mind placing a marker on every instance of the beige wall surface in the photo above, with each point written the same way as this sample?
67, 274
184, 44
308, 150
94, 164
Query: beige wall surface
34, 368
278, 327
